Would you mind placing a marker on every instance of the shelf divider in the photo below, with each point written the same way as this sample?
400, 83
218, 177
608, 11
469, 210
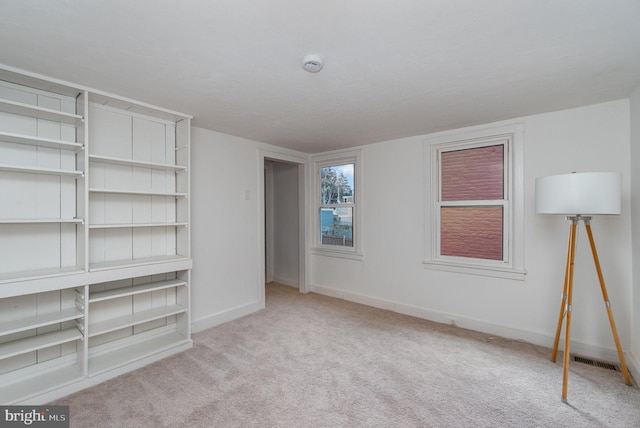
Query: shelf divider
38, 170
14, 107
137, 192
136, 318
131, 162
40, 220
22, 346
128, 225
38, 321
40, 383
98, 266
153, 346
99, 296
36, 274
9, 137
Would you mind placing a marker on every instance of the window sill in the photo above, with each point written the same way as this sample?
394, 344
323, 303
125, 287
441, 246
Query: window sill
336, 252
492, 271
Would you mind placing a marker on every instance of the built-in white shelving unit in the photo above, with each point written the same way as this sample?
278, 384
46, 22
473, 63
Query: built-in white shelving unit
94, 236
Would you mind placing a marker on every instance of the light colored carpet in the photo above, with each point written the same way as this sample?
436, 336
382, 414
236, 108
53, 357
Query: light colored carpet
315, 361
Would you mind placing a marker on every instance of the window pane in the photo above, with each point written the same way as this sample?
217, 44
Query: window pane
473, 174
336, 184
336, 226
471, 232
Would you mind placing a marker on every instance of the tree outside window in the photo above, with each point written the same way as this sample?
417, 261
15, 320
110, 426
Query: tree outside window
337, 205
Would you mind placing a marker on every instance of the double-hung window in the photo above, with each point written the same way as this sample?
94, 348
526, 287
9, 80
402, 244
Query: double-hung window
337, 207
475, 204
472, 206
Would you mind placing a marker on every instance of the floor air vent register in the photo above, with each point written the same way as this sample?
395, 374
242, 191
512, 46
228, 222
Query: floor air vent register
596, 363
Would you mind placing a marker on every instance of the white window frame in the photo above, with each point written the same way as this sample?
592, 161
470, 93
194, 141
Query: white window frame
512, 265
337, 158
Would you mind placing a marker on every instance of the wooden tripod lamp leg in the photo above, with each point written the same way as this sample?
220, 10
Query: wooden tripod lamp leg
569, 309
605, 296
563, 299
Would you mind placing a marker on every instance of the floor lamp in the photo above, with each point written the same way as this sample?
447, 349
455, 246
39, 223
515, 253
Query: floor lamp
578, 196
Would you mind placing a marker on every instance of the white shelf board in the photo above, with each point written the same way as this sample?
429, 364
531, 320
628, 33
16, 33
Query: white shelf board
38, 321
39, 384
136, 107
125, 321
8, 106
134, 262
131, 162
128, 225
136, 289
145, 348
37, 81
40, 220
8, 137
37, 170
22, 346
137, 192
39, 274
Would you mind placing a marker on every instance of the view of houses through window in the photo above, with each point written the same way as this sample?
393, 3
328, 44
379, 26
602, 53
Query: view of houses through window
337, 205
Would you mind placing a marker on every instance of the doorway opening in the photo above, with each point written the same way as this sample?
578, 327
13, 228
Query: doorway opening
285, 219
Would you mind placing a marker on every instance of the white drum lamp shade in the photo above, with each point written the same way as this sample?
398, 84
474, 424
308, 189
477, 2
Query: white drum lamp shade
583, 193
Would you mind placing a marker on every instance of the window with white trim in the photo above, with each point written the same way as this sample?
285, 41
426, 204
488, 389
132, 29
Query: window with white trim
337, 204
474, 210
472, 206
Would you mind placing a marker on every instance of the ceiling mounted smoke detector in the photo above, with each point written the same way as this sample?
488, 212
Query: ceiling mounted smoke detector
312, 63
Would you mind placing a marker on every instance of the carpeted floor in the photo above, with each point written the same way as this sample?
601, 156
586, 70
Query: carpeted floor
313, 361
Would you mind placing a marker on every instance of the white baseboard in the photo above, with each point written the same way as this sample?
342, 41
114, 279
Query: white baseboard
536, 338
633, 364
225, 316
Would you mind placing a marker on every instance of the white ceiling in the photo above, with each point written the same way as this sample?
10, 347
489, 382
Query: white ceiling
392, 68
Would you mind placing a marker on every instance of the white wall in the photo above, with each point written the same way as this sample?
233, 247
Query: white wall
268, 219
225, 228
227, 277
285, 223
593, 138
635, 207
